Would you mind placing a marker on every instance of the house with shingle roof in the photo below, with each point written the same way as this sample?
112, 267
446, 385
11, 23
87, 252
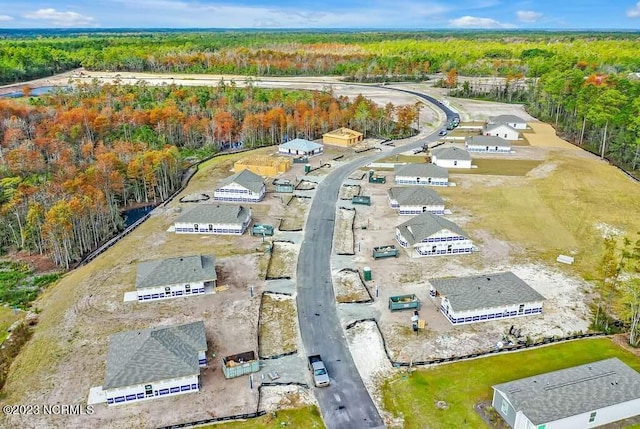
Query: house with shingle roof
515, 122
153, 363
245, 186
414, 200
486, 297
421, 174
222, 219
584, 396
451, 157
487, 144
174, 277
501, 130
300, 147
432, 235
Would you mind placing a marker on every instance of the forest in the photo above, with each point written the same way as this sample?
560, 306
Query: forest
71, 160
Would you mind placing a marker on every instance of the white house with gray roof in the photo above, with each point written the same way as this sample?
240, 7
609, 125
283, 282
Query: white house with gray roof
487, 144
227, 219
515, 122
451, 157
154, 363
300, 147
414, 200
175, 277
421, 174
432, 235
501, 130
245, 187
486, 297
585, 396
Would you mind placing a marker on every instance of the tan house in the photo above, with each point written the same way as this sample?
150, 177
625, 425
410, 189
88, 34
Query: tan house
342, 137
263, 165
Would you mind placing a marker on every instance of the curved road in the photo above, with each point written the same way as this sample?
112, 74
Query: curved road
345, 404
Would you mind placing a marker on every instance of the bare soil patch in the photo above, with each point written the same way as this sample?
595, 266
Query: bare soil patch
306, 185
343, 235
278, 325
283, 260
295, 214
347, 192
348, 287
357, 175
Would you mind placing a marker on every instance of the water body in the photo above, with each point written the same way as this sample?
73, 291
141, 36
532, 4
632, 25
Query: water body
34, 92
131, 216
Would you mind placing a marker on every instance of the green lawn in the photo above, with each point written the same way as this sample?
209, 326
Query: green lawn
499, 167
463, 384
298, 418
7, 317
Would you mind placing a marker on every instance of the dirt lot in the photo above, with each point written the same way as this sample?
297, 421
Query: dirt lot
343, 234
348, 287
295, 214
283, 260
349, 191
278, 325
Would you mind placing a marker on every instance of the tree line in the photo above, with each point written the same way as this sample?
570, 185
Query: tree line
70, 161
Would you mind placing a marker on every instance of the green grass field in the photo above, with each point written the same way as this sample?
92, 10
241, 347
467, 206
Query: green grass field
463, 384
499, 167
297, 418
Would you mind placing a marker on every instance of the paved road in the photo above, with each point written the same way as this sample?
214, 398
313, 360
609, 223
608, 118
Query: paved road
345, 404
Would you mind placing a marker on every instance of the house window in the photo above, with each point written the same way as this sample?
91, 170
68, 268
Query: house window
195, 226
167, 290
505, 407
210, 227
592, 417
521, 309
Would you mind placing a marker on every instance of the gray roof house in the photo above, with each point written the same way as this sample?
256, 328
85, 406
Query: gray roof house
413, 200
487, 144
497, 290
506, 119
300, 147
212, 218
421, 174
451, 153
425, 225
584, 396
155, 354
183, 269
246, 178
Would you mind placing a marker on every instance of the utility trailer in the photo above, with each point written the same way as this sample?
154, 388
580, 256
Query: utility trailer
361, 199
387, 251
404, 302
240, 364
375, 178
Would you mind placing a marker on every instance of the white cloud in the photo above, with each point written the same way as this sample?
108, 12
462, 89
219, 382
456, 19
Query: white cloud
528, 15
62, 19
477, 22
634, 12
6, 18
184, 13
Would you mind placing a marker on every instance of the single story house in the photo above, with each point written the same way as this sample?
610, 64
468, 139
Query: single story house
584, 396
300, 147
451, 157
214, 219
245, 186
501, 130
174, 277
156, 362
432, 235
342, 137
487, 144
414, 200
486, 297
421, 174
515, 122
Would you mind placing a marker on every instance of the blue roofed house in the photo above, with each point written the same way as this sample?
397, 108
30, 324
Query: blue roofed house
153, 363
432, 235
300, 147
245, 186
584, 396
421, 174
175, 277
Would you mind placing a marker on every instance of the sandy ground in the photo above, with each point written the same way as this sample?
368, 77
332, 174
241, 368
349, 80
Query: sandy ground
343, 234
348, 287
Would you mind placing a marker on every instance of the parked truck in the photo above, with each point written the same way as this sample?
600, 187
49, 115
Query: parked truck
319, 371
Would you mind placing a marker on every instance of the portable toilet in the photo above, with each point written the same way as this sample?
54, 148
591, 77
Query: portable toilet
367, 273
307, 168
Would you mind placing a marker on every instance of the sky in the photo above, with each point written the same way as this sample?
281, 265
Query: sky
370, 14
